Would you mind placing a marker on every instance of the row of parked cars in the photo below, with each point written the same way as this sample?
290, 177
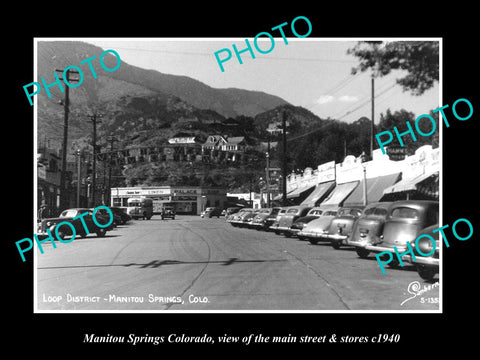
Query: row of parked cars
371, 229
79, 222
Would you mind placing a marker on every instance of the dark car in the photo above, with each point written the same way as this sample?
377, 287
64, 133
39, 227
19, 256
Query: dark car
341, 225
210, 212
167, 212
122, 215
68, 216
369, 227
405, 220
287, 219
427, 260
300, 223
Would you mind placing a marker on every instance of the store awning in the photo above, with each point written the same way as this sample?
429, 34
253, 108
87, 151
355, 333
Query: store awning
410, 184
319, 193
375, 188
299, 191
340, 193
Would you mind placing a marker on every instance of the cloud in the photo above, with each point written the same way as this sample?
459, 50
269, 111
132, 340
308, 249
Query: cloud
324, 99
348, 98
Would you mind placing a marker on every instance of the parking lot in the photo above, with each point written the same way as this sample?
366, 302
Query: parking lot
194, 264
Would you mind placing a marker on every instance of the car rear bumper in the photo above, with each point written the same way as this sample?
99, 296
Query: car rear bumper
312, 234
422, 260
379, 249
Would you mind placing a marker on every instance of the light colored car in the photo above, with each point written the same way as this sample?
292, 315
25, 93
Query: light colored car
405, 220
286, 220
302, 221
369, 227
260, 221
316, 230
427, 266
341, 226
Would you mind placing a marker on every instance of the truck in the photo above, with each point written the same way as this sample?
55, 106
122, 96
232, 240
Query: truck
140, 208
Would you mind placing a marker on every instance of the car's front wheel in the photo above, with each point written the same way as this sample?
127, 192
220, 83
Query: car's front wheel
61, 234
426, 273
362, 252
101, 232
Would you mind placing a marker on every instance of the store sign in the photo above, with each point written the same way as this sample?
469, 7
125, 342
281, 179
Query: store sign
326, 172
396, 153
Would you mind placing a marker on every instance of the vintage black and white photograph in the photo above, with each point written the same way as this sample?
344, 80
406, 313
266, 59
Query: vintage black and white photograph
269, 174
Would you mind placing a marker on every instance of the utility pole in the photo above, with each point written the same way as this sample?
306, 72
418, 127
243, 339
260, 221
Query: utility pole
79, 161
267, 177
373, 116
284, 159
111, 139
94, 120
66, 103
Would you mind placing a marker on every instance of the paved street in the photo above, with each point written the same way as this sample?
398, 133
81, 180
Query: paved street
192, 263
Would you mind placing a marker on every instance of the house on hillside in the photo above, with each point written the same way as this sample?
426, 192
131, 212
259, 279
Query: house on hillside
220, 148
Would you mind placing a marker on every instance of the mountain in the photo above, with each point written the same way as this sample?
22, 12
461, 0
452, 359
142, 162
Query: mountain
97, 94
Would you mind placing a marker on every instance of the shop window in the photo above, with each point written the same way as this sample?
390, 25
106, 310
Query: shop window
117, 202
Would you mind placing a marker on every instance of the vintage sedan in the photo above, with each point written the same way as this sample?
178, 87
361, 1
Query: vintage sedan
405, 220
316, 230
122, 214
271, 222
427, 259
341, 225
300, 223
369, 227
210, 212
259, 221
68, 216
287, 219
237, 218
247, 218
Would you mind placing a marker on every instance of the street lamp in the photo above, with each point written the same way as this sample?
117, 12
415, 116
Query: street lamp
363, 159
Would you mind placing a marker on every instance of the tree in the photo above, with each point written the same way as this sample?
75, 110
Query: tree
419, 58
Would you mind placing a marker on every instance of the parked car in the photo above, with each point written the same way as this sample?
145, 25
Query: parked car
341, 225
317, 229
247, 218
427, 266
231, 210
272, 220
300, 223
167, 211
68, 216
104, 213
287, 219
237, 218
405, 220
259, 221
369, 227
210, 212
122, 213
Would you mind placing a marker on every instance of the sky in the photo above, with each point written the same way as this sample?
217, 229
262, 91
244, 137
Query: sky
314, 73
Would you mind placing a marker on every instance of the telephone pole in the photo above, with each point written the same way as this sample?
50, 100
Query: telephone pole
66, 103
372, 130
94, 120
111, 139
284, 159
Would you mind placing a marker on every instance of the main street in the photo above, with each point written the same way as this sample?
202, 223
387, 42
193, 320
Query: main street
192, 263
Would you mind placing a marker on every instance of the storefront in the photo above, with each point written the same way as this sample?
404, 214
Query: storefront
186, 200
